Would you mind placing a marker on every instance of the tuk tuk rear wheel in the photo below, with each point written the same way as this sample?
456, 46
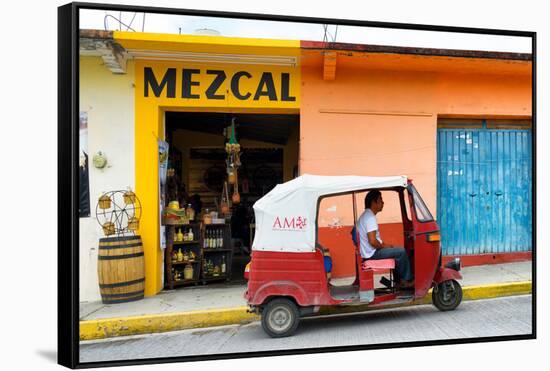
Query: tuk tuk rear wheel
447, 295
280, 317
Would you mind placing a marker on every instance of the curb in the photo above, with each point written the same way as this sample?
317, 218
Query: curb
156, 323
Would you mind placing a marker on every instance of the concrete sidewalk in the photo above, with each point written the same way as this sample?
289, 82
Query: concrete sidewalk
220, 304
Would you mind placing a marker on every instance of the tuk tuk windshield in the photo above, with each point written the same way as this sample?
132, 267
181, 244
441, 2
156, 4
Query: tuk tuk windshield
422, 212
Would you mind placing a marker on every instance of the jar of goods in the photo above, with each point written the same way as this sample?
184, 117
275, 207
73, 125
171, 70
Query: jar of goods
188, 272
207, 218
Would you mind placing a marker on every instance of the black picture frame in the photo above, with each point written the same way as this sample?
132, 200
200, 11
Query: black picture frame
68, 179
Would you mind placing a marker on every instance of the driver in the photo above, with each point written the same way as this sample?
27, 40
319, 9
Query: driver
372, 246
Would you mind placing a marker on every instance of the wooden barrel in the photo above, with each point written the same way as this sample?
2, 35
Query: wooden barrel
120, 269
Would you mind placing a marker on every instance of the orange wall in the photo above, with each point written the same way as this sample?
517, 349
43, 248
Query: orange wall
464, 95
340, 136
384, 122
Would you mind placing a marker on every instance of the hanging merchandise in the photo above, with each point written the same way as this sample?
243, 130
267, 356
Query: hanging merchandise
224, 203
233, 148
236, 198
231, 176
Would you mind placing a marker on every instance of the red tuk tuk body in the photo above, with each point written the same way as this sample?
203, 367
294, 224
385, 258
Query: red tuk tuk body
285, 283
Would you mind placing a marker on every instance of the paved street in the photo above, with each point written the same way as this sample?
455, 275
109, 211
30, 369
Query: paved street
494, 317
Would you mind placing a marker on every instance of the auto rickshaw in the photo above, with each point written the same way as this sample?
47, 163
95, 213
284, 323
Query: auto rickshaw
289, 274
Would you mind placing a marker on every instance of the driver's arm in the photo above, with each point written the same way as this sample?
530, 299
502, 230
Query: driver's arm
374, 242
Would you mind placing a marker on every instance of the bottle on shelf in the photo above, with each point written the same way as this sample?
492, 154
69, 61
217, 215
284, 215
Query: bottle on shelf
223, 265
180, 235
174, 256
190, 212
188, 272
220, 239
180, 255
190, 235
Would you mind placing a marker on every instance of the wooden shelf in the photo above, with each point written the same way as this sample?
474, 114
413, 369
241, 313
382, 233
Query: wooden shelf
214, 255
187, 262
194, 242
179, 225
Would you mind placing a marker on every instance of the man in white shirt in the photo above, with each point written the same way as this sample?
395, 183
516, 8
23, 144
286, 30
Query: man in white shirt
371, 244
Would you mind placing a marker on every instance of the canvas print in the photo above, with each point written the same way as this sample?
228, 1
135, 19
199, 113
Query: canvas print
256, 185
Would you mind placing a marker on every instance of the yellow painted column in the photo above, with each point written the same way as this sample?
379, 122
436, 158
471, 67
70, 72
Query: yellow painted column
149, 127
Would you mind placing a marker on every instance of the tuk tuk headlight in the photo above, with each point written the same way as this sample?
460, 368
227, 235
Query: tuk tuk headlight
454, 264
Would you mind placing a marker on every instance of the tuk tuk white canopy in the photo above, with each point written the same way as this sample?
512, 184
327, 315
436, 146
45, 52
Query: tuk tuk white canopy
285, 217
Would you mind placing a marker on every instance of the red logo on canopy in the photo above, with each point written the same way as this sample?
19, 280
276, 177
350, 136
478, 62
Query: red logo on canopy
295, 223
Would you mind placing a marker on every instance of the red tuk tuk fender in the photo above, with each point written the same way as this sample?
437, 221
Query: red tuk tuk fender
444, 274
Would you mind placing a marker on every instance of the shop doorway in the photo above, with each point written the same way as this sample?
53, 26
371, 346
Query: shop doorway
269, 148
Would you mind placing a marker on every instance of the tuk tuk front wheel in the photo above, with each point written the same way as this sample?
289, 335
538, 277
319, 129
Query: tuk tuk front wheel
447, 295
280, 317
